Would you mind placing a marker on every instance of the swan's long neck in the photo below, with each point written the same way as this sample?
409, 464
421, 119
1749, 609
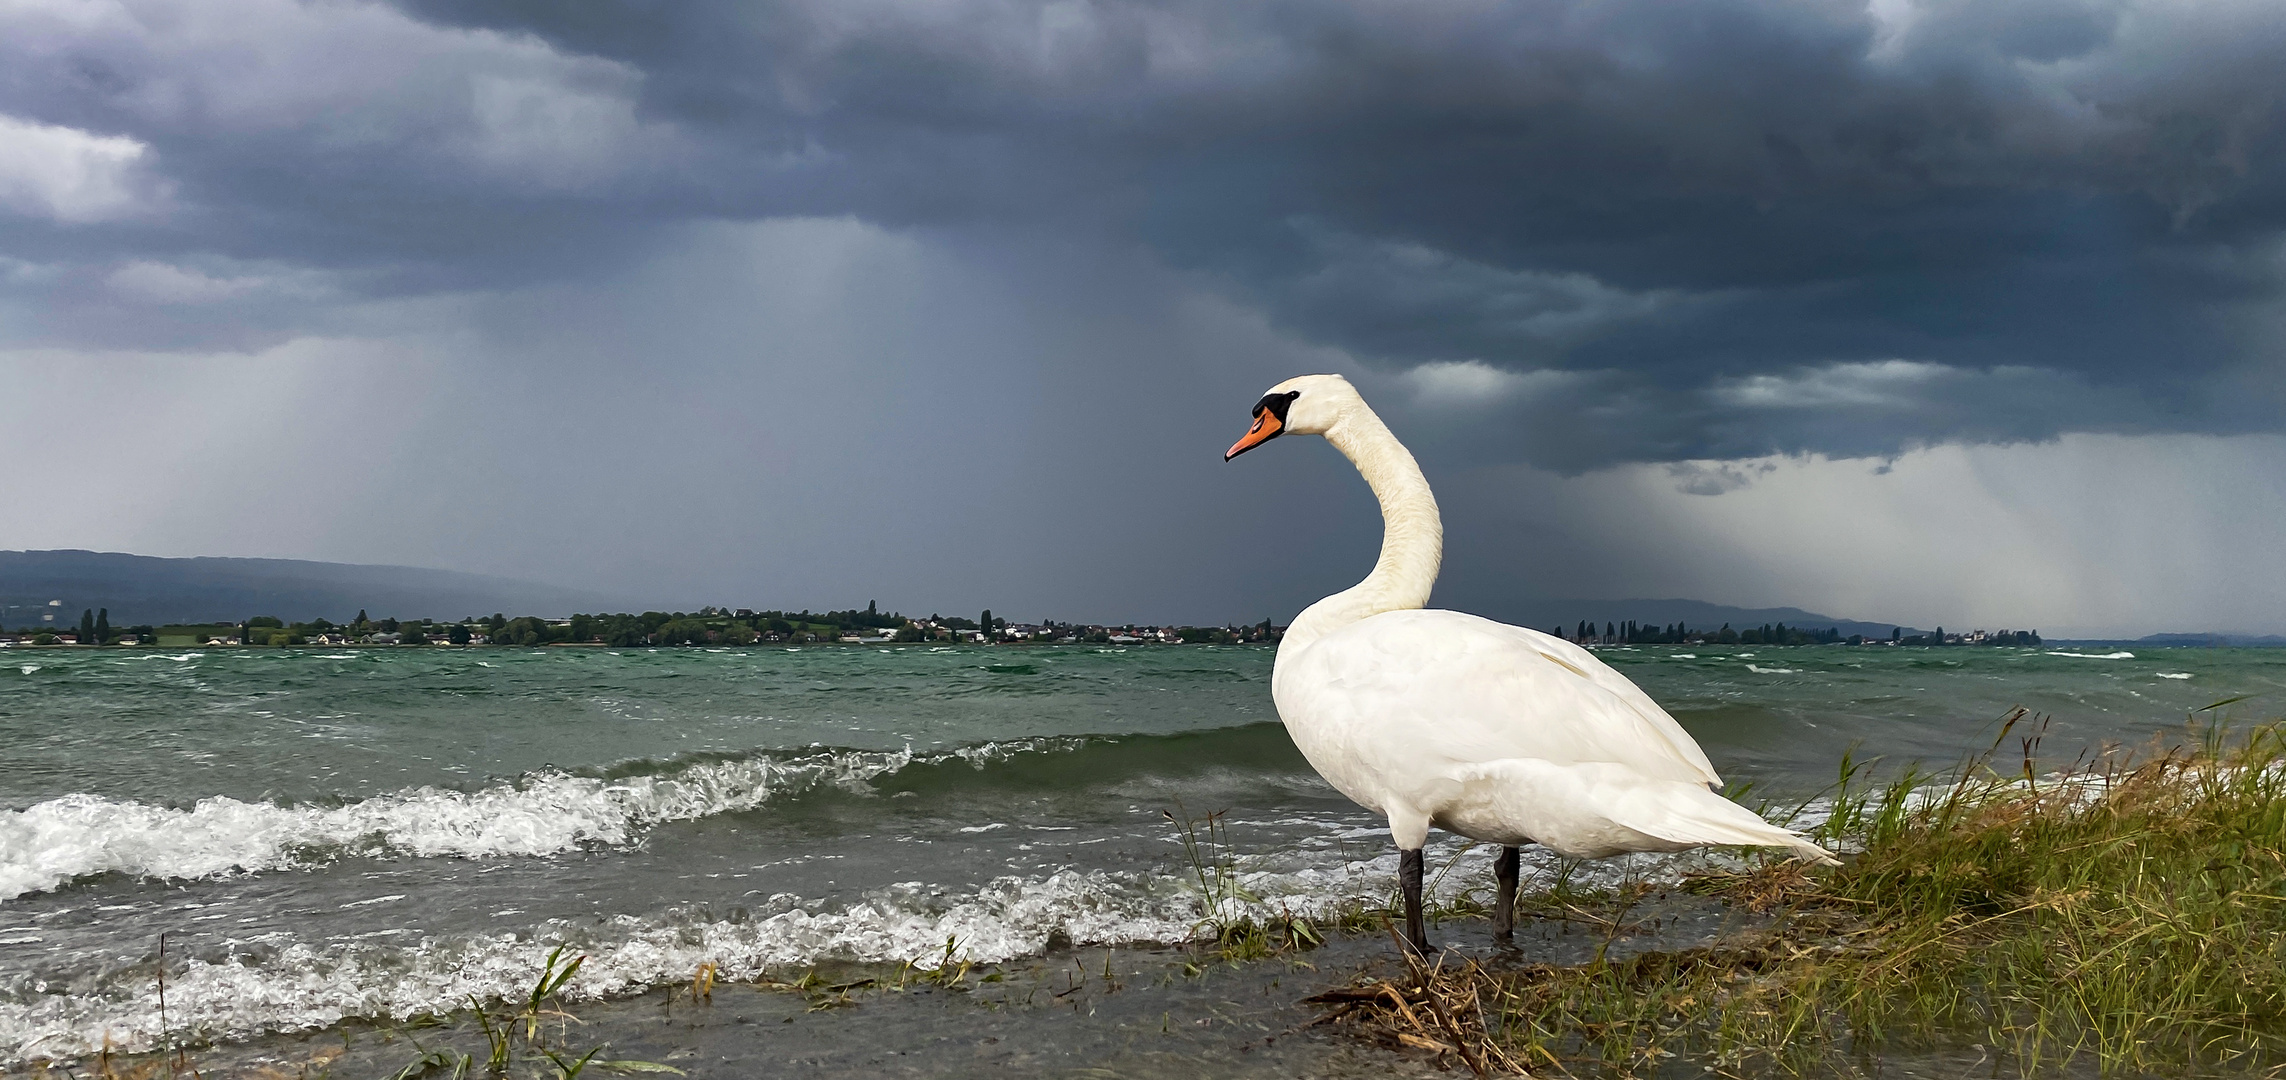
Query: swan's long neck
1412, 535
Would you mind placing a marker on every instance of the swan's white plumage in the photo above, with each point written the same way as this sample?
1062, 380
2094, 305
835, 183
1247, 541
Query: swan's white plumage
1496, 732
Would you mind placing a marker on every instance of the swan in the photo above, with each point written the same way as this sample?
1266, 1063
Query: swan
1497, 733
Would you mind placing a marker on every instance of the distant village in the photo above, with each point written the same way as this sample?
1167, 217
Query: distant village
707, 626
1629, 633
744, 627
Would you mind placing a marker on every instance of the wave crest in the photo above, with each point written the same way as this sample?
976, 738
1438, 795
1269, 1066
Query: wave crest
61, 840
54, 842
288, 985
277, 983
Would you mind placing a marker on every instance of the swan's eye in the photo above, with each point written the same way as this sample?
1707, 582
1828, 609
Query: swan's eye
1276, 404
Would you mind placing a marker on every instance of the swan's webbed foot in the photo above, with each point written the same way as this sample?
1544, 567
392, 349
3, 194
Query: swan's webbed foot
1505, 871
1409, 880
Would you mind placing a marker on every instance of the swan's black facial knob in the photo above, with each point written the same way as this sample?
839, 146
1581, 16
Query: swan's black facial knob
1269, 421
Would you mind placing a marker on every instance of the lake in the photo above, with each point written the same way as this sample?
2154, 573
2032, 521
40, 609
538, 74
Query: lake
383, 832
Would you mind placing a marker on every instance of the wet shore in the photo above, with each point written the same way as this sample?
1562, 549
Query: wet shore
1146, 1012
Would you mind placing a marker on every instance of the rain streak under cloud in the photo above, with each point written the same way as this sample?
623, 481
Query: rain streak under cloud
1933, 312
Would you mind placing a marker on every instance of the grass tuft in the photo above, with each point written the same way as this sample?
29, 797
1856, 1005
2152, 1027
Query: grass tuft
542, 1003
1237, 920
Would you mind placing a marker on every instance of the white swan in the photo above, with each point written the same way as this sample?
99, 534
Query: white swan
1501, 734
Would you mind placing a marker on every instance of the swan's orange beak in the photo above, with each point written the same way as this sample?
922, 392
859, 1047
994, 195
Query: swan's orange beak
1266, 427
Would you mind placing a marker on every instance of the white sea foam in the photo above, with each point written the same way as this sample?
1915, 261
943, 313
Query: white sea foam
54, 842
2173, 674
298, 985
1760, 670
2096, 656
294, 985
28, 668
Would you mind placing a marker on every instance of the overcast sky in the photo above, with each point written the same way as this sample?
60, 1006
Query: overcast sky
1966, 312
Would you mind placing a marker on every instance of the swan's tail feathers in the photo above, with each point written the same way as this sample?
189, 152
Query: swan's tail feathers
1594, 809
1693, 815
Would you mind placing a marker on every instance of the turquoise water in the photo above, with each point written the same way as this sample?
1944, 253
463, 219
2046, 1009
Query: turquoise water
379, 832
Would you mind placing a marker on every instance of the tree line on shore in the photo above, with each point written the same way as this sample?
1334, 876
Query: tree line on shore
722, 626
707, 626
94, 629
1633, 633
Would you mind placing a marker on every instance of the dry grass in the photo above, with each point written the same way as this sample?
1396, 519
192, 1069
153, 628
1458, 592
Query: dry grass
2127, 914
1430, 1008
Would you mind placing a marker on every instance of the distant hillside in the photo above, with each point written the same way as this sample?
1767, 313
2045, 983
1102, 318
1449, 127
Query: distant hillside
1695, 614
144, 589
2178, 641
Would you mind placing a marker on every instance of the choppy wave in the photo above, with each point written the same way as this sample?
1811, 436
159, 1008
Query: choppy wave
286, 985
2096, 656
289, 985
52, 843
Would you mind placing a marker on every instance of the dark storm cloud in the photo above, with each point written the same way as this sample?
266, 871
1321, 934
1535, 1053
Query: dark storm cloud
1574, 233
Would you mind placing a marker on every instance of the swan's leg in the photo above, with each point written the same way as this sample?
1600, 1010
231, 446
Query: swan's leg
1409, 879
1409, 827
1504, 871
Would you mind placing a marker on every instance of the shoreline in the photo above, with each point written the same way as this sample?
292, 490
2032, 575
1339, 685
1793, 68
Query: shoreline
1180, 1012
606, 645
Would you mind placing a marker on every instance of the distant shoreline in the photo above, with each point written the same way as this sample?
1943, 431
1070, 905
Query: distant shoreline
2047, 646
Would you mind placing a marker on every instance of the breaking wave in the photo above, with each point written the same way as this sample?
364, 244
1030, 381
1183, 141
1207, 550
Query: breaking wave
53, 843
285, 984
278, 983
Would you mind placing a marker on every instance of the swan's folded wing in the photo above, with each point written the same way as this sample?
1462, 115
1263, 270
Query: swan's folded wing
1596, 671
1440, 684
